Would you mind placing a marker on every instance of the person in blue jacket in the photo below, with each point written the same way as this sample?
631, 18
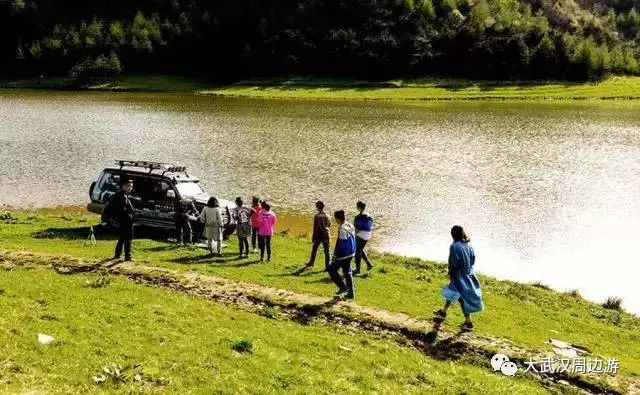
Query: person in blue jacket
344, 251
464, 285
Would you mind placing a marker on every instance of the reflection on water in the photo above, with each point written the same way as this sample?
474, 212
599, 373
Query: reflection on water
549, 191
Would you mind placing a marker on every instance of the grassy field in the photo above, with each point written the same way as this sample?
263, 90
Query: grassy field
165, 342
349, 89
432, 89
525, 314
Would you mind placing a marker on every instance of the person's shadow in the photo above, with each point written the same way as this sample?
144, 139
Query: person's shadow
303, 271
432, 335
449, 348
308, 312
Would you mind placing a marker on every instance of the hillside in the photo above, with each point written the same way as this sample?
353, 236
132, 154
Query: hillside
222, 40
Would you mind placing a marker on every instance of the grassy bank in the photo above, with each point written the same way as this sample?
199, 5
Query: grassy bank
165, 342
527, 315
432, 89
126, 83
623, 88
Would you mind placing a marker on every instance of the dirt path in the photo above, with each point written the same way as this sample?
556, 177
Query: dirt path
426, 335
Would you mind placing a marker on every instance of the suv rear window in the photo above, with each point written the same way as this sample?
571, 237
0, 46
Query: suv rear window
108, 185
189, 189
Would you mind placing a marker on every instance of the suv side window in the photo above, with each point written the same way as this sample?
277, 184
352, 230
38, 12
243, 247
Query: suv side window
160, 189
140, 192
163, 203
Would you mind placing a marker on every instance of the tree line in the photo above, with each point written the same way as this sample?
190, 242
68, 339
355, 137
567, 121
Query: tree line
227, 39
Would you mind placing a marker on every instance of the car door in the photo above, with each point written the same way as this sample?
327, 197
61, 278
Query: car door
139, 197
162, 199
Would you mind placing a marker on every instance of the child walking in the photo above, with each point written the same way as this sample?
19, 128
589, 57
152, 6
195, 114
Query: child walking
267, 221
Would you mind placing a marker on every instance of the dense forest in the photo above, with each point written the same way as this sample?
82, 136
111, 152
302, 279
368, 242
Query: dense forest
224, 39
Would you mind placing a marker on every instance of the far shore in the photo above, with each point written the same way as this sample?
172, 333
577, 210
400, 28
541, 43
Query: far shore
313, 88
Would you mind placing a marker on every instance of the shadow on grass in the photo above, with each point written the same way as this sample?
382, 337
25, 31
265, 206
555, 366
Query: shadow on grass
244, 264
432, 335
323, 280
488, 85
78, 233
164, 248
101, 233
226, 260
300, 272
450, 348
308, 312
450, 85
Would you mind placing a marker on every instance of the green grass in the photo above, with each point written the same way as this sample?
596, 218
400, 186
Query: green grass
182, 344
350, 89
126, 82
167, 83
432, 89
526, 314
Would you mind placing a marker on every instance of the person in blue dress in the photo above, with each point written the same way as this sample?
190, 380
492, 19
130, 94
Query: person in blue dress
463, 285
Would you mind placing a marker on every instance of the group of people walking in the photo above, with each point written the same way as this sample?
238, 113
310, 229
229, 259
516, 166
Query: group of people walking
258, 221
350, 244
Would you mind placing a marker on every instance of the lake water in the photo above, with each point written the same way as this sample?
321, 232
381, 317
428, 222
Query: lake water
549, 192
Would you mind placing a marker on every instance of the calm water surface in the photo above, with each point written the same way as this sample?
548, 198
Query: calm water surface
548, 191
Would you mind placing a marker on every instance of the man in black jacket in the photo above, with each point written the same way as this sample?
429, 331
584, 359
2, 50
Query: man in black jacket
185, 211
122, 209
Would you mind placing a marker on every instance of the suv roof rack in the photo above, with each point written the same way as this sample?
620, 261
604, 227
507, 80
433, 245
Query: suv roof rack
165, 167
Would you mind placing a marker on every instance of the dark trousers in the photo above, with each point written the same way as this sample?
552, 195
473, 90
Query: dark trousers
254, 236
361, 254
243, 242
264, 242
184, 232
126, 235
314, 251
345, 266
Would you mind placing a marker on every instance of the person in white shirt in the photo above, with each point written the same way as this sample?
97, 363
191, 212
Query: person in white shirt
211, 216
